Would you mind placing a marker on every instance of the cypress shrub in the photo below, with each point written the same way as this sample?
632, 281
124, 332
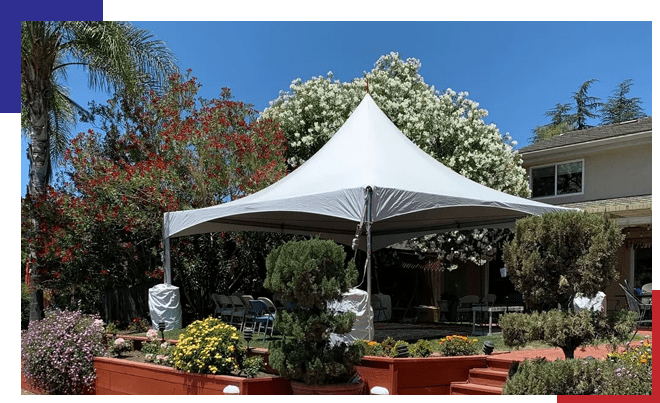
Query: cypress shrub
309, 274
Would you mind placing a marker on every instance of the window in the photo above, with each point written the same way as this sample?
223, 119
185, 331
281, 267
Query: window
559, 179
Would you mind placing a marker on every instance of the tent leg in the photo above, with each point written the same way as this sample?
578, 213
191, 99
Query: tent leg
166, 250
371, 318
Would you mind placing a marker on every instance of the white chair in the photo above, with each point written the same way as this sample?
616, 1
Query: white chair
223, 310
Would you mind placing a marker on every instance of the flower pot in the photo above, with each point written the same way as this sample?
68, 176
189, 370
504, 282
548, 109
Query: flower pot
300, 388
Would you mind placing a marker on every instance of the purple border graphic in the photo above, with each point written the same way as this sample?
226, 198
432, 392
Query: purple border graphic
33, 10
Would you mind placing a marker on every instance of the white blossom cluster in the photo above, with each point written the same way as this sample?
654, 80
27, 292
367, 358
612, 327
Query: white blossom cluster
446, 125
478, 246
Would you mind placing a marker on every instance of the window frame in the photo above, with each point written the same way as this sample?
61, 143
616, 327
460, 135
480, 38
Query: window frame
555, 165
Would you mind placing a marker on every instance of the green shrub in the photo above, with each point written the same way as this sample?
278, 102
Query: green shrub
309, 274
372, 348
422, 348
557, 255
457, 345
252, 366
626, 373
561, 377
566, 330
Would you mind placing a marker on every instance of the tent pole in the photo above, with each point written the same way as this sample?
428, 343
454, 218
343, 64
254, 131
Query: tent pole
166, 249
371, 318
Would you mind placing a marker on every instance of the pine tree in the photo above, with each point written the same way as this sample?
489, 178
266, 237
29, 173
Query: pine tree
585, 105
619, 108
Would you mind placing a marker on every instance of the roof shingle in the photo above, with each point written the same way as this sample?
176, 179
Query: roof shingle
591, 134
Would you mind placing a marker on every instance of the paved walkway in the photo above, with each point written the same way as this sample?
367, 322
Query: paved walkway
554, 353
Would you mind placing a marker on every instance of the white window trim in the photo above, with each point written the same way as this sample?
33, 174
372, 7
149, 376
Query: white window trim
531, 187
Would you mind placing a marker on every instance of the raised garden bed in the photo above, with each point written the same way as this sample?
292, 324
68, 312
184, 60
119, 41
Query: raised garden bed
418, 376
430, 375
120, 376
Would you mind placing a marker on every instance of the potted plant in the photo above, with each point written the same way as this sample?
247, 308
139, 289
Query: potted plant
309, 274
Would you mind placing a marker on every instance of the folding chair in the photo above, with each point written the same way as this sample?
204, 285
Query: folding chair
261, 315
636, 306
240, 312
271, 306
222, 310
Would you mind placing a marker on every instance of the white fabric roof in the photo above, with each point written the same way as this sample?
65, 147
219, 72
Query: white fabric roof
413, 194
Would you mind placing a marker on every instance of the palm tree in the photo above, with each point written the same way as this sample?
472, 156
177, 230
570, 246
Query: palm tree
116, 56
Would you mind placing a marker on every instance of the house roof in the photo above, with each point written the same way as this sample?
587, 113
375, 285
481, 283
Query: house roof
633, 206
594, 133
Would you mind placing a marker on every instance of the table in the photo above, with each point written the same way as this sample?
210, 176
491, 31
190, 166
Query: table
490, 310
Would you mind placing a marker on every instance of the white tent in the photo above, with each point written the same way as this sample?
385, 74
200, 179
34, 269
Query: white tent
368, 172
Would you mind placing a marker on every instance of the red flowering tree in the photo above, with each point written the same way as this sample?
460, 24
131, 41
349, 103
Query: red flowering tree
101, 226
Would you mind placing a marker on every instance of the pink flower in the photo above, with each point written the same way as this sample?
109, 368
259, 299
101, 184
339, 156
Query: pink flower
152, 334
119, 342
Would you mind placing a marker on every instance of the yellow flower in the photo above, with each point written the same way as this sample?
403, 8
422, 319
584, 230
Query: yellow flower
643, 360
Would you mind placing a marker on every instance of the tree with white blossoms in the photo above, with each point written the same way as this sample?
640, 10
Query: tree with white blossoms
446, 125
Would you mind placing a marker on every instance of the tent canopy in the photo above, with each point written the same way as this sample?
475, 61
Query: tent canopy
371, 173
412, 193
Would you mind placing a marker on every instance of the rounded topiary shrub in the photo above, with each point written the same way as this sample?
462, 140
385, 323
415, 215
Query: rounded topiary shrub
310, 274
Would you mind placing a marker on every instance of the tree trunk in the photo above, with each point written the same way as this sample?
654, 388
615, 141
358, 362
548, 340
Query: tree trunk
569, 352
36, 70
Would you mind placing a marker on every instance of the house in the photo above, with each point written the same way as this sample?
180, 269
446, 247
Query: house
604, 169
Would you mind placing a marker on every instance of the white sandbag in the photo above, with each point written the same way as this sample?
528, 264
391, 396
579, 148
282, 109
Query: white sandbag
355, 300
597, 302
165, 306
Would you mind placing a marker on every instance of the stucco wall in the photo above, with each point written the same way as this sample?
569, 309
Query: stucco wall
608, 174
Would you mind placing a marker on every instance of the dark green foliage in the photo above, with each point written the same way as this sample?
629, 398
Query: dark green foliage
585, 106
420, 349
571, 377
619, 108
555, 256
580, 377
309, 274
25, 306
566, 330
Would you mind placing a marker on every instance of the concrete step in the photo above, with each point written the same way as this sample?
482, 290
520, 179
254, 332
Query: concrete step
466, 388
488, 377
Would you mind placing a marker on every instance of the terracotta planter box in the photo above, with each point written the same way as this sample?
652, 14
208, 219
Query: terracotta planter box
417, 376
115, 376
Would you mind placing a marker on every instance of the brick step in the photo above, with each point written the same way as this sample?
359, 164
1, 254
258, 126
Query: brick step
488, 377
466, 388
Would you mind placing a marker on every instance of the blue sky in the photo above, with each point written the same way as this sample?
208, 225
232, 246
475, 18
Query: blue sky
515, 70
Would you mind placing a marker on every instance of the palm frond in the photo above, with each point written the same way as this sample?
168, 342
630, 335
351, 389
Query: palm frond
119, 55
